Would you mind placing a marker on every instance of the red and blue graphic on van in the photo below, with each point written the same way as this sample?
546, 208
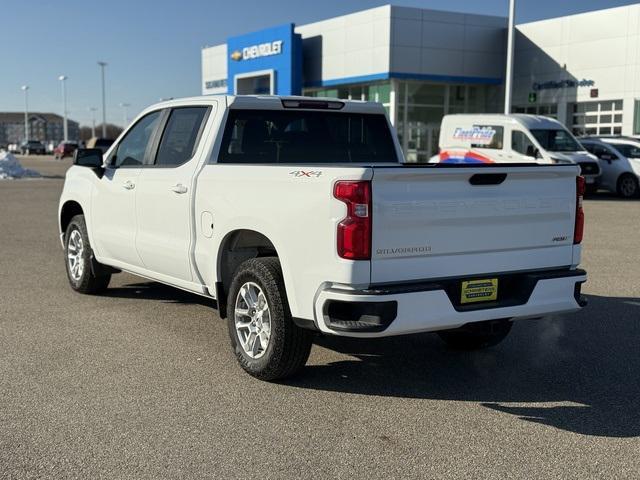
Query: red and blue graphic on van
463, 156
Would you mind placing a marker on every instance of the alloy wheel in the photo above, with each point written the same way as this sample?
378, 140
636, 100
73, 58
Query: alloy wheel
75, 249
252, 320
628, 187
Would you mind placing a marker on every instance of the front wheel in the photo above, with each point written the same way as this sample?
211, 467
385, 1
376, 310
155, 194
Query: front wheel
474, 336
266, 342
628, 186
79, 254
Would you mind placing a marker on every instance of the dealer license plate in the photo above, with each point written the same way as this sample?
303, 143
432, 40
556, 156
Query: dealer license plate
483, 290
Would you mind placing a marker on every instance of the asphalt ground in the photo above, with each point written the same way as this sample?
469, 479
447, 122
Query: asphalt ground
141, 382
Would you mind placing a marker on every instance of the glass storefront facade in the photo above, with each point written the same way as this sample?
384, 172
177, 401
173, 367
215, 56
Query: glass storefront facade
548, 110
373, 92
595, 118
416, 108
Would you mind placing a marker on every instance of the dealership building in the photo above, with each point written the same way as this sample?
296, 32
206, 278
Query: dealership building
421, 64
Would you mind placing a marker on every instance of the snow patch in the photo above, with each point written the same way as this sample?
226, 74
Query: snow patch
10, 167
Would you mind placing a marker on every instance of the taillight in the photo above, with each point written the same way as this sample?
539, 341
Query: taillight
578, 231
354, 231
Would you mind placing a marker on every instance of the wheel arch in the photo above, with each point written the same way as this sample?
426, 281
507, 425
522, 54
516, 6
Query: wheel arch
236, 247
69, 209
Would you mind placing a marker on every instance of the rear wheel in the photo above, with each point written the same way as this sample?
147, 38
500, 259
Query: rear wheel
474, 336
628, 186
79, 254
266, 342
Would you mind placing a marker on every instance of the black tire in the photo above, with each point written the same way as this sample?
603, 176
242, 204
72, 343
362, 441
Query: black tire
87, 281
628, 186
289, 346
475, 336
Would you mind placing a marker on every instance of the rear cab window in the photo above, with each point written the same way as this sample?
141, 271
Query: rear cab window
304, 136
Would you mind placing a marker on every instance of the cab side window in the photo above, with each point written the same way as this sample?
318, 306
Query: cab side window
521, 143
131, 149
600, 151
180, 136
627, 150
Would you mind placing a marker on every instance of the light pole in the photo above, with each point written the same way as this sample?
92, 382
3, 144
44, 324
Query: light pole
509, 74
93, 121
104, 105
25, 88
63, 79
125, 114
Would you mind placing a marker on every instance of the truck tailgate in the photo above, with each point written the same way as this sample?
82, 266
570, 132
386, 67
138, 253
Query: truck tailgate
437, 222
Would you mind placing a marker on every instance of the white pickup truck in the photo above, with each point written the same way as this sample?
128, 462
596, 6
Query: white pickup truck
297, 215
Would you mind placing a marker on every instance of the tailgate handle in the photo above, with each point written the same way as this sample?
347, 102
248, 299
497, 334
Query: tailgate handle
487, 178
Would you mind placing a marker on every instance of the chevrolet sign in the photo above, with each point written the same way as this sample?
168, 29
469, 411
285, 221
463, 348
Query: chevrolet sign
257, 51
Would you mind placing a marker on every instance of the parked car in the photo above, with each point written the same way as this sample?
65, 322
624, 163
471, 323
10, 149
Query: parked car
32, 147
620, 163
101, 143
297, 215
517, 138
65, 149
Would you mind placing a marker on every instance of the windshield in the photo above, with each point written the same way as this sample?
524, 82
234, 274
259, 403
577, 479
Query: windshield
302, 136
556, 140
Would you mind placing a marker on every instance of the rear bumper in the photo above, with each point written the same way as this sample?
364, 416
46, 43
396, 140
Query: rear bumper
422, 307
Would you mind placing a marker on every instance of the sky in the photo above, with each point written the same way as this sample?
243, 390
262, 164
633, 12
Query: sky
153, 47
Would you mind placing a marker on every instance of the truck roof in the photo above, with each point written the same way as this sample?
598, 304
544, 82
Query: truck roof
527, 121
271, 102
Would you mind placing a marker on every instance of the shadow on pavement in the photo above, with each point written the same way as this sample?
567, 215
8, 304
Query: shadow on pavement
157, 291
603, 196
579, 372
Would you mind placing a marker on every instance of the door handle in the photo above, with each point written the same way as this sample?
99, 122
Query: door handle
178, 188
129, 185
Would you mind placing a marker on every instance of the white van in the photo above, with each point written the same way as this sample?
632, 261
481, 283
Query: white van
518, 138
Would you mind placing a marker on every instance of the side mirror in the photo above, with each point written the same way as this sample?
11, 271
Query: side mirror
533, 152
88, 157
608, 157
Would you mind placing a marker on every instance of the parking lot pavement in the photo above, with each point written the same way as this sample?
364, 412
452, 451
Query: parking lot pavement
141, 382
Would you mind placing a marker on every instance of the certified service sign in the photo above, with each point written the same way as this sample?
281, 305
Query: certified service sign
257, 51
